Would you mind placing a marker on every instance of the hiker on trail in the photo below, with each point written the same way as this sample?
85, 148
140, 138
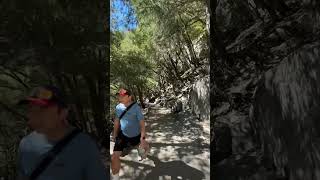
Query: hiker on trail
56, 150
129, 130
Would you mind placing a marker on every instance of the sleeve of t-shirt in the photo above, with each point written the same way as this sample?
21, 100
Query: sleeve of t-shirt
139, 113
20, 173
118, 112
95, 169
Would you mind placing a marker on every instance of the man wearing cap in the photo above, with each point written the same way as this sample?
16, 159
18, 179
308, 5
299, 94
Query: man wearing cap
129, 130
79, 158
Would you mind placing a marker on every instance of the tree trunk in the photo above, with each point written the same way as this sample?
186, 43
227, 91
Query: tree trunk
181, 48
103, 102
270, 7
97, 112
140, 94
78, 107
11, 110
185, 65
14, 76
189, 44
175, 68
216, 35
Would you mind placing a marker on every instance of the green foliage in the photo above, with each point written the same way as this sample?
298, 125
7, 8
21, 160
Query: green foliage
64, 43
131, 61
175, 28
168, 42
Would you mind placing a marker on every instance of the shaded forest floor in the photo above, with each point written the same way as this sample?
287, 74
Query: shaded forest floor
179, 148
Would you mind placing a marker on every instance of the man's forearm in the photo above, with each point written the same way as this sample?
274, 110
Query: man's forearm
116, 128
143, 133
115, 131
143, 129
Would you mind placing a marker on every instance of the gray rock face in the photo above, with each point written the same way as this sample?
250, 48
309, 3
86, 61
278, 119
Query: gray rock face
178, 107
286, 114
199, 99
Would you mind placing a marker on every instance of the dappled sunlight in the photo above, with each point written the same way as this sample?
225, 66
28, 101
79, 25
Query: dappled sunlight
179, 149
199, 161
168, 153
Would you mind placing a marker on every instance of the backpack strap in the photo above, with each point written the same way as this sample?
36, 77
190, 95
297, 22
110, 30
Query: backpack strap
52, 154
126, 110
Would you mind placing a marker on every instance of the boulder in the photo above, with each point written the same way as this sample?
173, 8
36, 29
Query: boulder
199, 98
285, 115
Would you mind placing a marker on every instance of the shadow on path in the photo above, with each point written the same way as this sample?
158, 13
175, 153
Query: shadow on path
179, 149
174, 169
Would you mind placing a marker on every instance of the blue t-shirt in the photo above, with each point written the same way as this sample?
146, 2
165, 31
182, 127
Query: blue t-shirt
130, 122
79, 159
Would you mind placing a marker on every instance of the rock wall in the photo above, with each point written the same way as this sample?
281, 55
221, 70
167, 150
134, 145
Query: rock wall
199, 98
286, 114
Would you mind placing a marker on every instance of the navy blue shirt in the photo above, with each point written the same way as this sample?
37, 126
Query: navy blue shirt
79, 160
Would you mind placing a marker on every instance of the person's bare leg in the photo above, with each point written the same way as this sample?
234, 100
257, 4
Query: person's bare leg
115, 162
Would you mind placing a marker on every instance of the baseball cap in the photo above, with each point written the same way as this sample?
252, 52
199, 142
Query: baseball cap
123, 92
45, 96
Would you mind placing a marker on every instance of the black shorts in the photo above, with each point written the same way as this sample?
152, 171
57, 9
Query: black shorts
123, 142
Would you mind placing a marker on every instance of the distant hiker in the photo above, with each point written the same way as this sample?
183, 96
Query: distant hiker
55, 150
129, 130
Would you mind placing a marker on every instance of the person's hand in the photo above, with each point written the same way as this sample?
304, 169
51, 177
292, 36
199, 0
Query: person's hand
142, 138
143, 142
145, 146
